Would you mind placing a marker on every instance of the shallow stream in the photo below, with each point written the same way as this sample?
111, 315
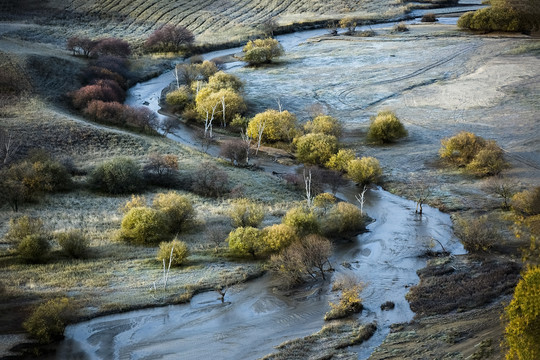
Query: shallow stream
254, 317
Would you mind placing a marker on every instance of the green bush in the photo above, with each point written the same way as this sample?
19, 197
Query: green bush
33, 248
495, 18
386, 128
208, 98
278, 236
143, 226
245, 212
343, 219
324, 124
365, 170
244, 241
316, 149
177, 208
117, 176
179, 98
340, 160
180, 252
74, 243
303, 220
323, 201
523, 315
527, 202
23, 226
48, 321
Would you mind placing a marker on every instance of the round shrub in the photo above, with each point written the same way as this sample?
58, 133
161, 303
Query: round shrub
324, 124
261, 51
117, 176
324, 201
461, 148
279, 236
527, 202
48, 321
364, 171
278, 126
476, 235
245, 212
180, 252
386, 128
222, 80
343, 219
179, 98
488, 161
304, 221
523, 314
177, 208
316, 149
144, 226
33, 248
74, 243
340, 160
246, 241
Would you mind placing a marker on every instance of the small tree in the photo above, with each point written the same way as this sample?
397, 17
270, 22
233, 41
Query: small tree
177, 248
9, 147
161, 169
348, 23
112, 47
245, 241
386, 128
144, 226
316, 148
81, 46
235, 151
262, 51
209, 180
527, 202
503, 188
246, 213
365, 170
169, 38
278, 126
224, 103
177, 208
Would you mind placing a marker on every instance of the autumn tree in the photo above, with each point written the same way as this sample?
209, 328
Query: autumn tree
365, 170
222, 80
224, 104
169, 38
279, 126
113, 47
246, 241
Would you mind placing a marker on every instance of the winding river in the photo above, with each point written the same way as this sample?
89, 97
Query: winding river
254, 318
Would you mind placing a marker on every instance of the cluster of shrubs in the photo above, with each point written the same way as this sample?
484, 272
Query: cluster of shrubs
496, 18
32, 240
302, 235
471, 152
105, 83
262, 51
170, 214
30, 178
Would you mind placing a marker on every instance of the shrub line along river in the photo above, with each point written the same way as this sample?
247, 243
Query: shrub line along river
254, 318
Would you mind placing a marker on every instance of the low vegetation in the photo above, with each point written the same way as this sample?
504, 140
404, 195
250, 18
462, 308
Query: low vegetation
262, 51
174, 252
386, 128
349, 300
74, 243
364, 171
117, 176
477, 235
48, 321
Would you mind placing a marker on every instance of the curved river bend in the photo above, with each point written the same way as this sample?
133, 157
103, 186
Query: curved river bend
254, 318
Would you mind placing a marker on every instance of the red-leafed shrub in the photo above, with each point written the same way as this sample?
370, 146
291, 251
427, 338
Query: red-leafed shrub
84, 95
119, 93
93, 73
106, 112
141, 118
113, 63
112, 47
169, 38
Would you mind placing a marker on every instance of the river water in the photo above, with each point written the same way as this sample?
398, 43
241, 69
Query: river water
255, 317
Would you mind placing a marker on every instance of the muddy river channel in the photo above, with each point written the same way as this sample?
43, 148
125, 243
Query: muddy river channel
255, 317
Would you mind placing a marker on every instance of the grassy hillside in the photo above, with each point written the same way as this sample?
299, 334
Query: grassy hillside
213, 22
